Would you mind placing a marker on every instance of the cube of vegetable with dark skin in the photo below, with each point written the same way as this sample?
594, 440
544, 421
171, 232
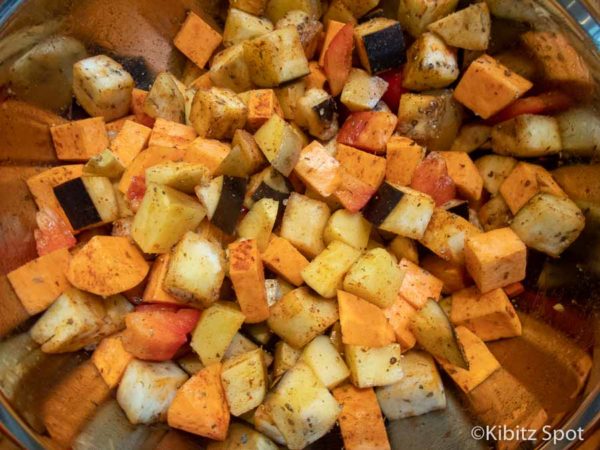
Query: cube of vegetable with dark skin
380, 44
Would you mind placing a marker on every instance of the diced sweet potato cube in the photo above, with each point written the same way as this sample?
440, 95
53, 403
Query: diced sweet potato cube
316, 78
362, 165
368, 130
361, 421
332, 29
363, 323
481, 361
148, 158
318, 170
197, 40
202, 82
113, 128
403, 156
200, 406
464, 173
209, 152
418, 285
154, 292
132, 139
285, 260
111, 359
262, 104
495, 259
353, 193
399, 315
80, 140
170, 134
525, 182
39, 282
490, 316
454, 276
248, 278
488, 87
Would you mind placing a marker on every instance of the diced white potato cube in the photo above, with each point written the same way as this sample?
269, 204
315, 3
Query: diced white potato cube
309, 28
148, 388
258, 223
166, 100
362, 91
182, 176
371, 367
580, 130
241, 436
280, 143
245, 381
418, 392
277, 9
350, 228
241, 26
306, 235
325, 361
216, 113
416, 15
286, 357
102, 87
468, 28
230, 71
527, 136
493, 170
301, 407
263, 422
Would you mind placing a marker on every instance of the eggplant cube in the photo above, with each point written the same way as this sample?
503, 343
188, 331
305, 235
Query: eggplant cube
280, 143
215, 331
375, 277
400, 210
230, 71
549, 223
306, 235
196, 269
147, 390
74, 320
276, 57
326, 272
420, 390
102, 87
301, 407
163, 217
431, 64
495, 259
317, 112
300, 316
527, 136
351, 228
374, 366
380, 44
362, 91
245, 381
241, 26
216, 113
325, 361
223, 198
88, 201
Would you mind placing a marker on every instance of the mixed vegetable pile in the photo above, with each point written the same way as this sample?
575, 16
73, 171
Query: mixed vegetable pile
300, 235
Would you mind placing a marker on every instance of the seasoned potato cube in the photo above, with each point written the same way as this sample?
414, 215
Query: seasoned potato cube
282, 258
244, 379
286, 357
197, 40
244, 158
482, 362
318, 170
326, 272
472, 136
316, 111
309, 28
200, 406
468, 28
325, 361
430, 64
216, 113
490, 316
399, 316
196, 269
580, 130
362, 91
288, 96
165, 99
215, 330
104, 164
276, 57
376, 277
230, 71
362, 165
248, 278
403, 155
371, 367
300, 316
111, 359
102, 87
524, 182
73, 321
258, 223
418, 392
349, 228
39, 282
241, 26
418, 285
363, 323
277, 9
446, 235
494, 169
494, 214
380, 44
280, 143
79, 140
464, 173
527, 135
402, 247
163, 218
416, 15
548, 223
487, 87
241, 436
306, 236
182, 176
495, 259
301, 407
